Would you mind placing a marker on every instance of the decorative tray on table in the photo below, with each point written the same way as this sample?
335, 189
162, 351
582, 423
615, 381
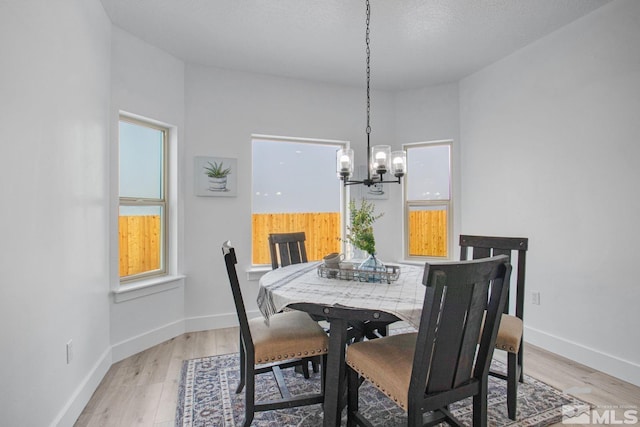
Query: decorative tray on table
352, 272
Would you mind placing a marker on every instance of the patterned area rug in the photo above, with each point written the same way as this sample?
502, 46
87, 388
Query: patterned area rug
207, 398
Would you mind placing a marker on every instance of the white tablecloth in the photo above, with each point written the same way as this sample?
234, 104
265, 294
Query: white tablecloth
300, 283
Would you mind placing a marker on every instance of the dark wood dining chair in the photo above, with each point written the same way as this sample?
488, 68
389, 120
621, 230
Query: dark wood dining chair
287, 249
290, 339
442, 363
510, 334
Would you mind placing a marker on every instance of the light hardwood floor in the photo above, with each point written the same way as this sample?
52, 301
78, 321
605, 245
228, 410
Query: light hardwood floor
142, 389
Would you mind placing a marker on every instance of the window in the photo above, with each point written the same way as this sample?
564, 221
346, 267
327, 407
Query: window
143, 199
295, 188
428, 200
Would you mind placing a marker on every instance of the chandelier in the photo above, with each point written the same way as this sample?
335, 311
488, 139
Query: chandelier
380, 159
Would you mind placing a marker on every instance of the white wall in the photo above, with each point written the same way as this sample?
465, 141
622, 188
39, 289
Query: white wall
430, 114
54, 187
550, 151
561, 113
223, 109
148, 82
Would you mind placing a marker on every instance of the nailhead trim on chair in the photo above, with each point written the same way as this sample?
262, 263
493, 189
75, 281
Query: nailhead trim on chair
379, 387
286, 356
504, 347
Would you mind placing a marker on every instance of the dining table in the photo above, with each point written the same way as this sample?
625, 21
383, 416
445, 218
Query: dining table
343, 303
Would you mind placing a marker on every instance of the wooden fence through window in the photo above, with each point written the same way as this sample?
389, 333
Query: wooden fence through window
140, 236
140, 244
322, 230
428, 233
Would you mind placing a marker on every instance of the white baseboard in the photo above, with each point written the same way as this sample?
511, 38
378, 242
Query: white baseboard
119, 351
218, 321
141, 342
72, 410
603, 362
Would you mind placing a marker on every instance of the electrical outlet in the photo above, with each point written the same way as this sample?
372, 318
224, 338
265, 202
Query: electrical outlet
535, 298
69, 351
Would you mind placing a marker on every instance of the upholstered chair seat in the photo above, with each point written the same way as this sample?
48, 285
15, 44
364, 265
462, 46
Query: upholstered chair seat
509, 334
292, 334
386, 363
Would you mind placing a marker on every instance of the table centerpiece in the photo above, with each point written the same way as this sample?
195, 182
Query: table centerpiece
360, 235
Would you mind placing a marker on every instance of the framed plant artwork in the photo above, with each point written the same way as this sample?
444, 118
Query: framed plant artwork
215, 176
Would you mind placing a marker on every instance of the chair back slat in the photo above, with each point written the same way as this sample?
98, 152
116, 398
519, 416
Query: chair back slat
296, 253
285, 258
469, 344
287, 249
455, 301
481, 253
450, 333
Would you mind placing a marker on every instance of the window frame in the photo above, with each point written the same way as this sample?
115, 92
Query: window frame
162, 202
344, 190
408, 204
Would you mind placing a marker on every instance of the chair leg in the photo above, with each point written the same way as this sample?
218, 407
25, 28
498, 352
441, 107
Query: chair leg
480, 410
315, 364
414, 418
305, 368
513, 376
520, 361
250, 396
353, 383
243, 363
323, 375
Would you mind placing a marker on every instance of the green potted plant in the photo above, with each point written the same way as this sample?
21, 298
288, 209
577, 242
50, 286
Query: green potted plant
360, 233
217, 176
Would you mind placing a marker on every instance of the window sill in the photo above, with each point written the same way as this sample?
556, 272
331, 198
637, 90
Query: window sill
412, 262
147, 287
254, 273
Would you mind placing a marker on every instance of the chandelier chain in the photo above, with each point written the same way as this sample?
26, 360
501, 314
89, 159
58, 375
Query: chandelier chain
383, 155
368, 69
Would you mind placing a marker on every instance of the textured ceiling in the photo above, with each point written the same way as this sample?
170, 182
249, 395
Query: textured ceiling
414, 43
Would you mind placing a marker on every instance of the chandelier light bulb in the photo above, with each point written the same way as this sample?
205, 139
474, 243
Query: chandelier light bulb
344, 165
380, 155
399, 163
344, 162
